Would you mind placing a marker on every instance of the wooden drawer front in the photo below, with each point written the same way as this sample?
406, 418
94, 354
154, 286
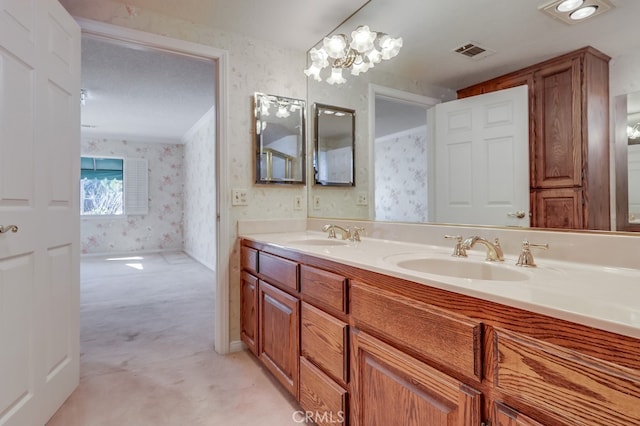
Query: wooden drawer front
449, 339
324, 342
321, 396
278, 270
572, 387
325, 288
249, 259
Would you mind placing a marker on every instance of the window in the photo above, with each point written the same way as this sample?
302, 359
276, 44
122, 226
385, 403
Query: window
101, 186
113, 186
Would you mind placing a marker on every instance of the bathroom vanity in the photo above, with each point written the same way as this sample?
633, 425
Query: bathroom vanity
361, 335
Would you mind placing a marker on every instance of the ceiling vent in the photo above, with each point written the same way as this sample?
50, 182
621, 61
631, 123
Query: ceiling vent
474, 51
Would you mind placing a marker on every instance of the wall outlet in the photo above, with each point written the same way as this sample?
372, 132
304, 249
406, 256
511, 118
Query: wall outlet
239, 197
297, 202
316, 202
362, 199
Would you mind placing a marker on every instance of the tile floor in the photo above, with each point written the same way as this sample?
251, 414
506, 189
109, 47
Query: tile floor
147, 357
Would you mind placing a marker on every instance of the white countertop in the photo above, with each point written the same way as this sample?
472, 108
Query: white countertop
598, 296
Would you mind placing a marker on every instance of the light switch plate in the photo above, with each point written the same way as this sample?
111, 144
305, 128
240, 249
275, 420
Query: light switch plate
362, 199
297, 202
239, 197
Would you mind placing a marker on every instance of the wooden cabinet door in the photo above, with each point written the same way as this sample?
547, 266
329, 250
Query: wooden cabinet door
558, 125
279, 342
389, 387
505, 416
248, 311
558, 208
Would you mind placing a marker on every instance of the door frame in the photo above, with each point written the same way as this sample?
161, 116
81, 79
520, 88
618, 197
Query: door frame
220, 57
399, 96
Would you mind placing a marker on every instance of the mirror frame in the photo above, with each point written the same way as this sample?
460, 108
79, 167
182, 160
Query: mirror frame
260, 149
317, 107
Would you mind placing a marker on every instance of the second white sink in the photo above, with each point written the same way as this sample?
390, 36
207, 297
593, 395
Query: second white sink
459, 268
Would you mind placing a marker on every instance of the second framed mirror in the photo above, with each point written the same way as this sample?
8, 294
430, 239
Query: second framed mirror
334, 153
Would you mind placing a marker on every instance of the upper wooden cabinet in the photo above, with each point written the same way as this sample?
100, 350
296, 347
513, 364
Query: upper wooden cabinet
568, 135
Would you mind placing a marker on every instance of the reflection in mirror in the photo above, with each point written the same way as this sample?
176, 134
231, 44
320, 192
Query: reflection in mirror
334, 162
633, 156
279, 139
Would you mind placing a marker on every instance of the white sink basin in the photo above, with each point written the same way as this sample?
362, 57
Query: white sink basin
459, 268
318, 242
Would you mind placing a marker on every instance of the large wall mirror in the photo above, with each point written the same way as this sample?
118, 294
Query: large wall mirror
334, 129
279, 139
405, 18
627, 134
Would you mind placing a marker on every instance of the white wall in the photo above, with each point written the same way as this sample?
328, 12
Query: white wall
161, 228
200, 191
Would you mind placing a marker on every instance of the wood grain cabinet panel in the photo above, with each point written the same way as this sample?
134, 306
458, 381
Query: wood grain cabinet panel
323, 288
279, 341
321, 397
249, 311
323, 340
279, 271
447, 338
558, 208
249, 259
574, 388
391, 388
505, 416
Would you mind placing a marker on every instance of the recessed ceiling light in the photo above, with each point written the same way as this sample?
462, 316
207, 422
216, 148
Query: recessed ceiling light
583, 12
569, 5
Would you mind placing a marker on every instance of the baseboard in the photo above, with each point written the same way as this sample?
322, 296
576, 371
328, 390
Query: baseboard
237, 346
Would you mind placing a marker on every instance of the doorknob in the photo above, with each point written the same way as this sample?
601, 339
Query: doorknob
520, 214
10, 228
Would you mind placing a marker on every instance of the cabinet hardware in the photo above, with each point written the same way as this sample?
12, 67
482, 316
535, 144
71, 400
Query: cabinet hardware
10, 228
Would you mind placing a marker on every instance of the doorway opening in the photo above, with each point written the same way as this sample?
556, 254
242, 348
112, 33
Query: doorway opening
184, 178
401, 151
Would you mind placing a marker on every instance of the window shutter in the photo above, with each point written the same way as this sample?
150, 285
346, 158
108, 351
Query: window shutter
136, 186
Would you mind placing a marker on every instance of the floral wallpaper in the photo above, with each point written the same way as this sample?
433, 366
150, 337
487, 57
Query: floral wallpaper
161, 228
401, 177
200, 191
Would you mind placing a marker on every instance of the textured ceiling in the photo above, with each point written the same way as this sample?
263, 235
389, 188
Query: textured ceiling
517, 30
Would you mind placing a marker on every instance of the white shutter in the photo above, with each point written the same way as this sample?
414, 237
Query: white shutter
136, 186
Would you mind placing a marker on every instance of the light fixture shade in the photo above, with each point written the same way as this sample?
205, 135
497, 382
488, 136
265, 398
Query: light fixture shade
569, 5
336, 76
282, 112
374, 56
583, 12
335, 46
313, 71
390, 46
362, 39
359, 67
319, 57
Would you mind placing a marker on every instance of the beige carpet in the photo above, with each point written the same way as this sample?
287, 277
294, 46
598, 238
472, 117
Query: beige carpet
146, 352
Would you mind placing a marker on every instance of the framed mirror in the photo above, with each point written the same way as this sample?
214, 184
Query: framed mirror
334, 152
279, 139
627, 141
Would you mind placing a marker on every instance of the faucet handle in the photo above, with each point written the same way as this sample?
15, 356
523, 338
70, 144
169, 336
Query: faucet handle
458, 250
356, 232
330, 229
526, 258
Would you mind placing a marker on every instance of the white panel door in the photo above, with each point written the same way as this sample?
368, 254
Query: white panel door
39, 175
634, 183
482, 159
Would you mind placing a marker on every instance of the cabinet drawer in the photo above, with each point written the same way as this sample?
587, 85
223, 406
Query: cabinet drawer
570, 386
450, 339
324, 342
321, 396
249, 259
324, 288
278, 270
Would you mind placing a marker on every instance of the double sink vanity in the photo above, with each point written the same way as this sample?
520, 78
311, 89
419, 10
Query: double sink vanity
390, 332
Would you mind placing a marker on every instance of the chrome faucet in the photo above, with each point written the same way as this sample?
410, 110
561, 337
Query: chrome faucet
347, 234
494, 251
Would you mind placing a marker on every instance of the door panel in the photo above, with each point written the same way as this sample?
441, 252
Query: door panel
39, 174
482, 159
